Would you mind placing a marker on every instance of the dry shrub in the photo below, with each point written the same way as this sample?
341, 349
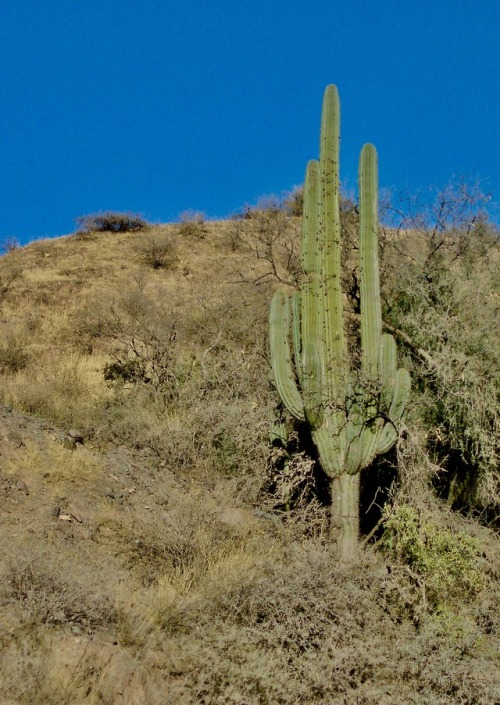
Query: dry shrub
143, 336
13, 353
305, 631
196, 393
10, 271
61, 388
192, 224
440, 287
434, 296
62, 670
45, 596
56, 462
189, 537
156, 251
110, 222
267, 232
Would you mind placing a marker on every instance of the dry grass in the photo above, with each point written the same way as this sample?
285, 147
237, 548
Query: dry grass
171, 589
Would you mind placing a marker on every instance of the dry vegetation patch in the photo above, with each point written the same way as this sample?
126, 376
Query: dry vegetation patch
195, 567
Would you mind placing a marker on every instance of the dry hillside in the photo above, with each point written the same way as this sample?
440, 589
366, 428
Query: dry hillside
156, 548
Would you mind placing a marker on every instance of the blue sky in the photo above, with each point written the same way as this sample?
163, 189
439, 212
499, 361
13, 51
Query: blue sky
157, 106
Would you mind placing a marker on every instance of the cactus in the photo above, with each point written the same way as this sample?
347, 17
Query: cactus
353, 414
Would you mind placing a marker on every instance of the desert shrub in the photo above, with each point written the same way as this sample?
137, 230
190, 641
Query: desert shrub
294, 202
443, 563
47, 598
156, 252
440, 287
13, 354
9, 272
187, 542
9, 244
89, 326
192, 224
110, 221
267, 231
62, 388
292, 488
285, 631
270, 232
143, 343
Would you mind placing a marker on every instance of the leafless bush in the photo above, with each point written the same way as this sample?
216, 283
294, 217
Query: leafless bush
294, 202
13, 354
269, 232
192, 224
156, 252
110, 221
45, 597
9, 273
9, 244
283, 633
143, 344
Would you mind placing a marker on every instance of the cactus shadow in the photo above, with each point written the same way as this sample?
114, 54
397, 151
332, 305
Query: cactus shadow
377, 481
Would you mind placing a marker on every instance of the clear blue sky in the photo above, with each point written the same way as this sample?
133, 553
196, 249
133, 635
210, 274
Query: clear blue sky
159, 106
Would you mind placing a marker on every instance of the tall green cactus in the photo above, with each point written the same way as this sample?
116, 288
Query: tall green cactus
353, 414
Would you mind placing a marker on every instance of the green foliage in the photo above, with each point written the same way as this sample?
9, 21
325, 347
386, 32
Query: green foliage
443, 563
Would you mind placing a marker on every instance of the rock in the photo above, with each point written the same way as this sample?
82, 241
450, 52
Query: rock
65, 517
108, 492
66, 441
55, 511
15, 438
21, 486
76, 435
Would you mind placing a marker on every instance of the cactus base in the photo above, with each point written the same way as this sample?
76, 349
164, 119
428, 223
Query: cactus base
344, 524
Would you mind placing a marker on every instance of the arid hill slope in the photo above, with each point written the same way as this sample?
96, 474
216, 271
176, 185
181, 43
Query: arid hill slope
146, 550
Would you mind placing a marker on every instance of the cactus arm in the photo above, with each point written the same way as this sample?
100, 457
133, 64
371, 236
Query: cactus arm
387, 369
281, 356
400, 398
312, 386
330, 450
311, 312
311, 245
371, 311
334, 346
296, 336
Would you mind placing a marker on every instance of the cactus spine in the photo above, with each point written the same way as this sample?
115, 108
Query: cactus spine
353, 414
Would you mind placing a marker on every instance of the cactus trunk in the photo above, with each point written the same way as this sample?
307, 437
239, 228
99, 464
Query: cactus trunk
344, 522
353, 414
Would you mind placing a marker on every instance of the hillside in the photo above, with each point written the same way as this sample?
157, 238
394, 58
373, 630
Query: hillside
156, 548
